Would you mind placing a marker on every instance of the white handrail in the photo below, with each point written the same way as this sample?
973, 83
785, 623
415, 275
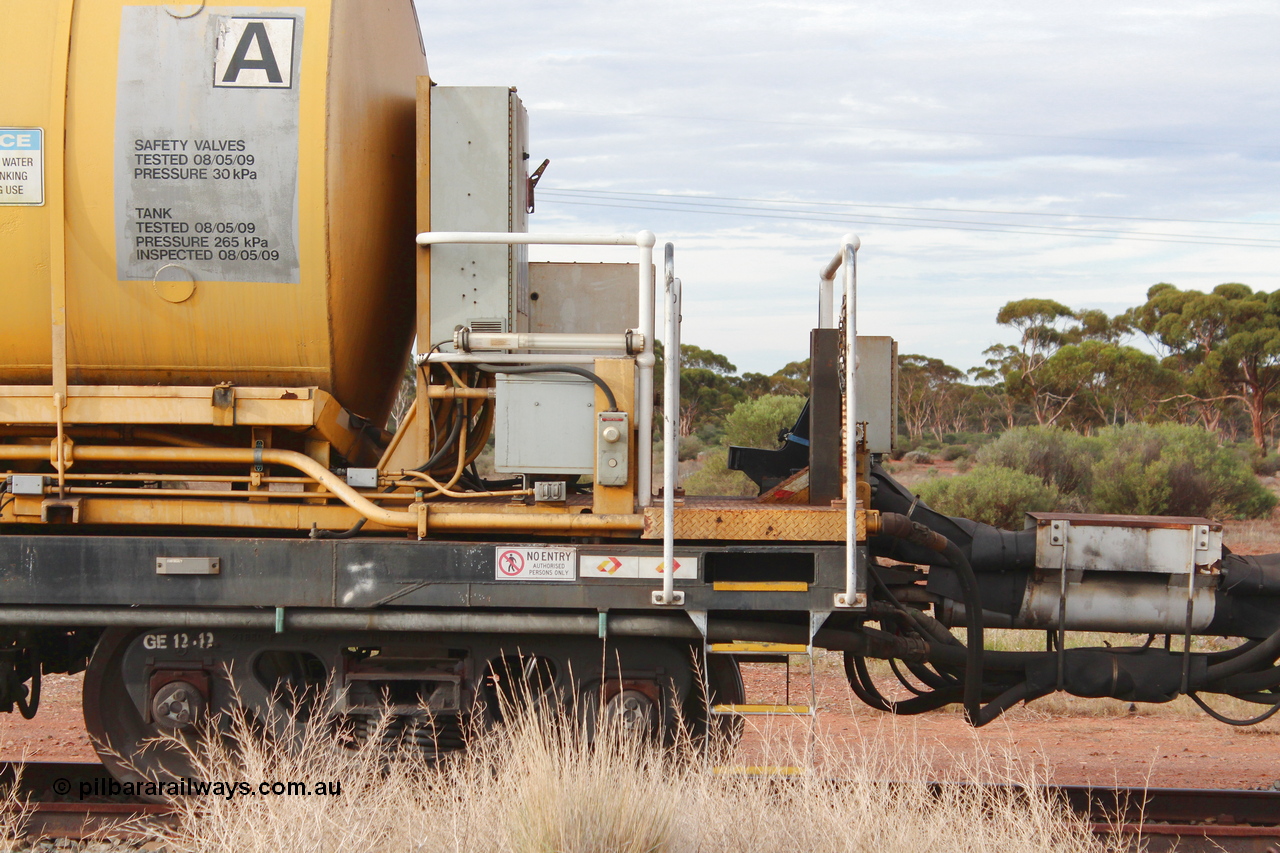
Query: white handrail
826, 292
645, 241
847, 258
670, 414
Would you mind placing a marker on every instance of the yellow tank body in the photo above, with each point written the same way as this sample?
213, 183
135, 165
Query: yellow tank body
236, 201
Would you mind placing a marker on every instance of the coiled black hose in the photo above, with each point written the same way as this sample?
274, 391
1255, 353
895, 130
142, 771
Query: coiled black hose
901, 527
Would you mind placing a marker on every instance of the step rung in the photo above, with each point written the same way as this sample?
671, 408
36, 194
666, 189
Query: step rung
759, 586
758, 710
767, 648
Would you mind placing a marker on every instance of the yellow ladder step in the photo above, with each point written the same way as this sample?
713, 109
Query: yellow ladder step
799, 710
760, 586
771, 648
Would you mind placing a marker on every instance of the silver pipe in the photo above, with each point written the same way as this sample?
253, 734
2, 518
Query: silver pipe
670, 412
317, 619
505, 358
849, 258
675, 625
644, 370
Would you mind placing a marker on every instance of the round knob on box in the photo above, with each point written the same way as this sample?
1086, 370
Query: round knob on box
611, 434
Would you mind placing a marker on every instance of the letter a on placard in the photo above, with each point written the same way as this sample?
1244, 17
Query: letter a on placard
254, 53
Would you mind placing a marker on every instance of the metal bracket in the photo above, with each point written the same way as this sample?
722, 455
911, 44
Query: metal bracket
224, 405
659, 598
816, 618
699, 618
60, 510
532, 181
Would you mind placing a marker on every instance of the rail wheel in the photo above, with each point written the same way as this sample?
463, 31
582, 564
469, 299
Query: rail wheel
132, 745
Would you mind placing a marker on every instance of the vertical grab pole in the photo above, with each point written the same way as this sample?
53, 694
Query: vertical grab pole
826, 300
670, 411
849, 258
644, 385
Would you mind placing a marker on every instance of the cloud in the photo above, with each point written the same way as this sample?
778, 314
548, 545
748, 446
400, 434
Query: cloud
1122, 109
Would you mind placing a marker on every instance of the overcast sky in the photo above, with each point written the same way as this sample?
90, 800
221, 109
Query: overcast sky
983, 151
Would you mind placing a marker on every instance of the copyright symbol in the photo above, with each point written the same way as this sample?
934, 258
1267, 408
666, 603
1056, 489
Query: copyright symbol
61, 786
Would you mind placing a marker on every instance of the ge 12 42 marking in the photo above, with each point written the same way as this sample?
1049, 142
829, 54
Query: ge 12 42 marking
179, 640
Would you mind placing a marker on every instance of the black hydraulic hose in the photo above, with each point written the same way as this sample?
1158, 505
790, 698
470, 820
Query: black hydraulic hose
1262, 654
1222, 718
926, 624
855, 668
931, 677
454, 431
555, 368
902, 679
349, 533
973, 710
1018, 693
1263, 679
901, 527
1227, 654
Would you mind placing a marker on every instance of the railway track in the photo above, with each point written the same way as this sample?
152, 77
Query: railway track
1188, 819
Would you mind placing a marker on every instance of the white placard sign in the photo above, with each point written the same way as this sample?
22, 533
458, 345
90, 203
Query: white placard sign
535, 564
21, 165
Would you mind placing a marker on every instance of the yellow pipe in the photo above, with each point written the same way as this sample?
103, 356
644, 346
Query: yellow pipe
441, 490
244, 456
169, 438
437, 520
29, 452
446, 392
583, 522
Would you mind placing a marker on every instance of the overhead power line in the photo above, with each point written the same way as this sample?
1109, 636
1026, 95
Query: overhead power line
932, 131
688, 204
982, 210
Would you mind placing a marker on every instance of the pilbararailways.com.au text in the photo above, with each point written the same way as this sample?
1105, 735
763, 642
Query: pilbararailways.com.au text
105, 786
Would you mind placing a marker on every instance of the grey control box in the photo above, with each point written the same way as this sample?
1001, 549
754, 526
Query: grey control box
612, 436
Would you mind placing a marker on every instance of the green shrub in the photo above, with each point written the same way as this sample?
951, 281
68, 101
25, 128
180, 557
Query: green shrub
1266, 466
1172, 469
952, 452
756, 423
690, 446
897, 453
991, 494
1062, 459
715, 478
918, 457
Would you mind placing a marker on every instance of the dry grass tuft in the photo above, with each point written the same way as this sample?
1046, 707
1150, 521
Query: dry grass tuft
15, 813
546, 783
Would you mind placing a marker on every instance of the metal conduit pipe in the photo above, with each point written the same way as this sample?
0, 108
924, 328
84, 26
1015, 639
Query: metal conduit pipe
317, 619
259, 456
451, 521
582, 522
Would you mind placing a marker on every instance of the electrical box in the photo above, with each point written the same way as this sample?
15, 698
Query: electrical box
612, 434
479, 182
877, 379
545, 424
